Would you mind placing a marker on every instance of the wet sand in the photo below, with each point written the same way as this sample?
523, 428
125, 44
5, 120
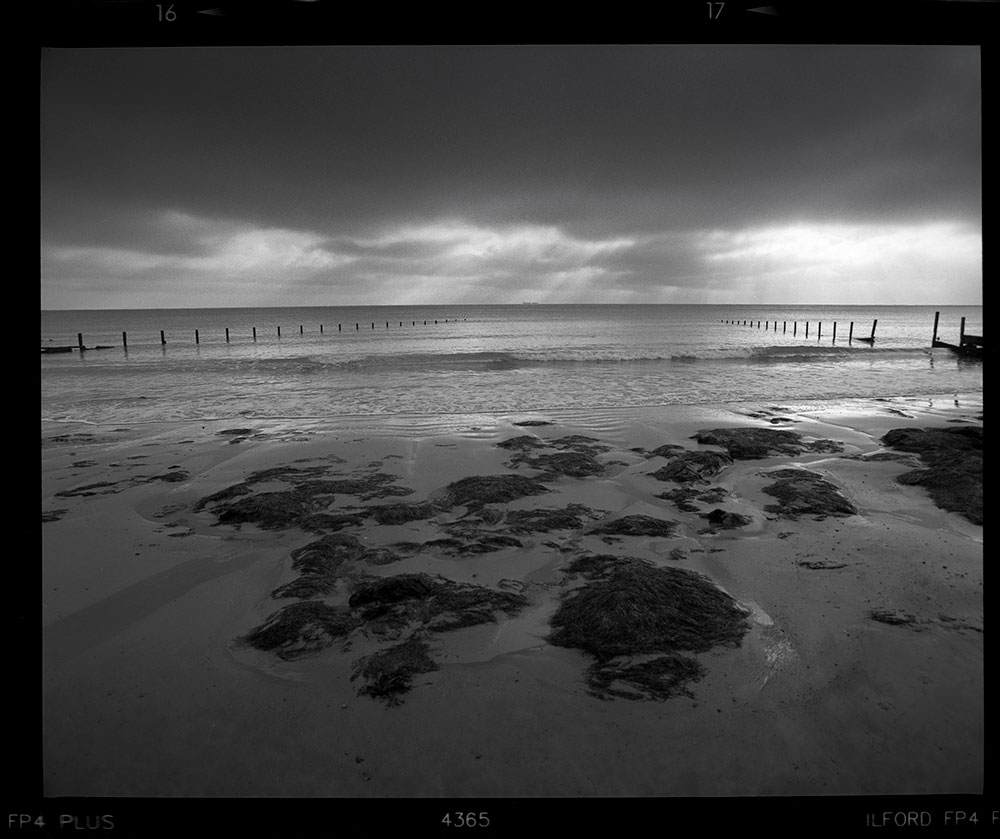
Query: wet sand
860, 673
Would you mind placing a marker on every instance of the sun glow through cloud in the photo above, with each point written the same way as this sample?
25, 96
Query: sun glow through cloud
457, 260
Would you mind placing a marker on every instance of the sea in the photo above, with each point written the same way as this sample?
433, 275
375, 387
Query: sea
428, 368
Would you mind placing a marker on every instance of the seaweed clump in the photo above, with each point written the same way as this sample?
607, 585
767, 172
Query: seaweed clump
572, 463
637, 620
478, 490
542, 520
953, 458
759, 443
725, 519
804, 493
305, 505
693, 467
301, 628
637, 525
432, 603
403, 513
684, 496
320, 564
389, 673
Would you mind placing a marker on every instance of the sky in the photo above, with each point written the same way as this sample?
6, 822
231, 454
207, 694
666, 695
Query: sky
325, 176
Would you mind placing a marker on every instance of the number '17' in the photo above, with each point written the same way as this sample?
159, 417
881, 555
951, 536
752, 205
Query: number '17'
714, 10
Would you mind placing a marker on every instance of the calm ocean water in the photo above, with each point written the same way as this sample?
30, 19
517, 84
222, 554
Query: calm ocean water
465, 360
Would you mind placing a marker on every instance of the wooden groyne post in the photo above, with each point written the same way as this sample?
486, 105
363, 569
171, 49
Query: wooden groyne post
163, 339
968, 345
79, 341
124, 341
196, 337
227, 334
850, 333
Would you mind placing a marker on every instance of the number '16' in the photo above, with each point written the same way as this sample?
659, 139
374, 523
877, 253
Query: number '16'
169, 14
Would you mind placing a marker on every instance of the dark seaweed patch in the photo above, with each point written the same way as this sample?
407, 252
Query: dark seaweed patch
402, 513
758, 443
684, 496
632, 608
570, 463
435, 603
492, 489
693, 467
726, 520
301, 628
637, 525
803, 493
522, 443
388, 674
953, 457
542, 521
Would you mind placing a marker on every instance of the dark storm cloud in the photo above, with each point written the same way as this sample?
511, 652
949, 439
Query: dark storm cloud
177, 156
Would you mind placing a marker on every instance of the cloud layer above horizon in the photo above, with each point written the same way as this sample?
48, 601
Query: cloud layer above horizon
335, 176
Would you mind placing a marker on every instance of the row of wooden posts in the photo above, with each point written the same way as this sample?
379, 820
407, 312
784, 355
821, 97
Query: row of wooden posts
197, 333
819, 328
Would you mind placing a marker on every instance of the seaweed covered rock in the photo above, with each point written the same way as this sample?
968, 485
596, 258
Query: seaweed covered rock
631, 608
330, 522
324, 562
301, 628
388, 674
666, 450
403, 513
953, 458
725, 519
758, 443
433, 603
387, 590
570, 463
543, 521
320, 565
522, 443
580, 443
326, 555
271, 510
684, 496
492, 489
637, 525
305, 504
804, 493
693, 467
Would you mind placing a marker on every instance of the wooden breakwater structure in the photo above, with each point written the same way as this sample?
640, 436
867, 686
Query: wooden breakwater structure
968, 345
772, 326
80, 345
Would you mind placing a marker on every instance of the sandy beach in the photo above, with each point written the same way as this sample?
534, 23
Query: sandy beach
857, 667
